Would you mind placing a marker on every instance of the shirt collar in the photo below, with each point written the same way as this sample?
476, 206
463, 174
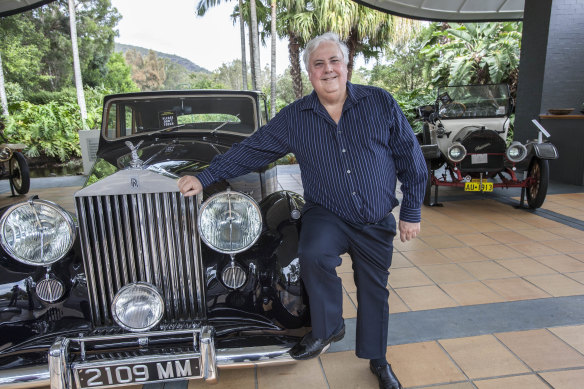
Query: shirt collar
354, 94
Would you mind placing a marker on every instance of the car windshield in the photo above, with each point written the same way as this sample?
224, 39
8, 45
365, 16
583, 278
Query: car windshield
473, 101
142, 115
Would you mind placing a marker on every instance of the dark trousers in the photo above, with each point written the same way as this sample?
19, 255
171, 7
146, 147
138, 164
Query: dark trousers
324, 237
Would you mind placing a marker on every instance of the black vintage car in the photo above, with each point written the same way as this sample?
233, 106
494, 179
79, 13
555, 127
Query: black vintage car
143, 284
465, 143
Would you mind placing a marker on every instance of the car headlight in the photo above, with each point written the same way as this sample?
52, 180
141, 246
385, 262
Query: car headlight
138, 307
456, 152
37, 232
230, 222
516, 152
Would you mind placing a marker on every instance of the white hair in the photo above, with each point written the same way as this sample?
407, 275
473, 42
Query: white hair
326, 37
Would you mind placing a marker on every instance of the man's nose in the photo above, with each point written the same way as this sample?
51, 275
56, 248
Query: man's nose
327, 66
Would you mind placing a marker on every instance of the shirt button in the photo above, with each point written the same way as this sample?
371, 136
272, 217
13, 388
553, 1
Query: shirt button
354, 193
344, 150
348, 172
339, 132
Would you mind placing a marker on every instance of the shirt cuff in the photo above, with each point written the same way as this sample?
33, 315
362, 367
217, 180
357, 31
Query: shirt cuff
206, 178
410, 215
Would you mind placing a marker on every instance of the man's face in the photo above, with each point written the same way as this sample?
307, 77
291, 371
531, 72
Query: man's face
326, 70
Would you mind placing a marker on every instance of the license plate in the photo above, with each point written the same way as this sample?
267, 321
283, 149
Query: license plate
478, 187
138, 373
479, 158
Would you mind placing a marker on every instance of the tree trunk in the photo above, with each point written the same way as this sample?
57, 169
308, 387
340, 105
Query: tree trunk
252, 67
243, 60
273, 60
76, 66
255, 51
295, 72
3, 99
352, 45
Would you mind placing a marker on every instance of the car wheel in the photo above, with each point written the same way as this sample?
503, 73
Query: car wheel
19, 173
539, 171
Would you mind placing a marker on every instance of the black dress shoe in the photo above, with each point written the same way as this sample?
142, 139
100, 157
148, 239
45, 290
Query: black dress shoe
386, 377
310, 347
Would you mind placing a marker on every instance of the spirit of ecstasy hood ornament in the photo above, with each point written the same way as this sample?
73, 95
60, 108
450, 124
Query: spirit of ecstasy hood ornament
136, 161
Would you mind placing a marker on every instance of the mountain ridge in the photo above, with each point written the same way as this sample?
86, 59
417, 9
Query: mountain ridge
181, 61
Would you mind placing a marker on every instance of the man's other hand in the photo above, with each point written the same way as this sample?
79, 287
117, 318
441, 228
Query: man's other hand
408, 231
189, 186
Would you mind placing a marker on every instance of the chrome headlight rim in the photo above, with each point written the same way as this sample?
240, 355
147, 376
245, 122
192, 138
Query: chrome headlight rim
206, 203
149, 286
456, 145
66, 215
516, 145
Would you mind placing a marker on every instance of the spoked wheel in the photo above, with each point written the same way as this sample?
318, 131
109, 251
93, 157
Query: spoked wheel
19, 173
539, 172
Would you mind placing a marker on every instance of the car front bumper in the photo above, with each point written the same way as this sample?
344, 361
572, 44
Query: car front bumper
67, 369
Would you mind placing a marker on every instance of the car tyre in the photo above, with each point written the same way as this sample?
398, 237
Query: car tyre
539, 170
19, 173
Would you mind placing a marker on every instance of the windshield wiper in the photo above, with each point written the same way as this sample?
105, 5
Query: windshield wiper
221, 125
167, 129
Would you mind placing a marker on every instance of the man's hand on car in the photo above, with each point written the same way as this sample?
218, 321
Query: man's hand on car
189, 185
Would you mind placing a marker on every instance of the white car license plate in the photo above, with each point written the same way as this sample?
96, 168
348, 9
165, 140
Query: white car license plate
479, 158
137, 373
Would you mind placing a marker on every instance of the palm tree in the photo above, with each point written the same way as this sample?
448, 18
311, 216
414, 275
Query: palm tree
243, 63
363, 29
273, 61
295, 23
3, 99
255, 51
76, 66
204, 6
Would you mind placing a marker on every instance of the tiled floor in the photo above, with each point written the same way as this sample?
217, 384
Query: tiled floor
475, 253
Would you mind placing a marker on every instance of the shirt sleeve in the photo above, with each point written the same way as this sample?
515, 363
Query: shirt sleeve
410, 165
266, 145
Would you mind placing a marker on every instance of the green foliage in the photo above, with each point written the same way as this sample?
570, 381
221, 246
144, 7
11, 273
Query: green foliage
148, 72
118, 78
100, 170
51, 129
473, 53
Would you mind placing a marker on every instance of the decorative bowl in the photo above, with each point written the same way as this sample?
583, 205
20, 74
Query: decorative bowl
560, 111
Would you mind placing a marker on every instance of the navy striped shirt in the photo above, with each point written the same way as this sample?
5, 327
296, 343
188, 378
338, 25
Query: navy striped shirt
350, 168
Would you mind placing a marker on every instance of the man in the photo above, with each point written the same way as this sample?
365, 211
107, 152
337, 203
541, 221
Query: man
351, 142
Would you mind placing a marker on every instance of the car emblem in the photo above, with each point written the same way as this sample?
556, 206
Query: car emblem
136, 162
479, 148
134, 183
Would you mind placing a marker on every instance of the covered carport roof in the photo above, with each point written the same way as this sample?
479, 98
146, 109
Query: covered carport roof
11, 7
451, 10
440, 10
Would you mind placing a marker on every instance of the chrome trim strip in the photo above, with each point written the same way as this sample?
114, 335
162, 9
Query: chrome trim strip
123, 261
142, 215
188, 257
101, 280
208, 358
58, 361
89, 264
177, 212
172, 258
162, 254
114, 248
154, 252
105, 255
26, 377
129, 241
201, 301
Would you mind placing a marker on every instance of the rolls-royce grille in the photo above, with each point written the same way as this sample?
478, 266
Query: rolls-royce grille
142, 237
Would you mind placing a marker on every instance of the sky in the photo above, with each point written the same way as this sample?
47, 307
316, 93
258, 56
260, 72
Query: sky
173, 27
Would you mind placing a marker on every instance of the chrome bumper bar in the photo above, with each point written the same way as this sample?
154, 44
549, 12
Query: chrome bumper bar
59, 372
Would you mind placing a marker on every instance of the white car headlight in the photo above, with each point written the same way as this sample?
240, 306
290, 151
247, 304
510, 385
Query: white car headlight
230, 222
456, 152
516, 152
138, 307
37, 232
